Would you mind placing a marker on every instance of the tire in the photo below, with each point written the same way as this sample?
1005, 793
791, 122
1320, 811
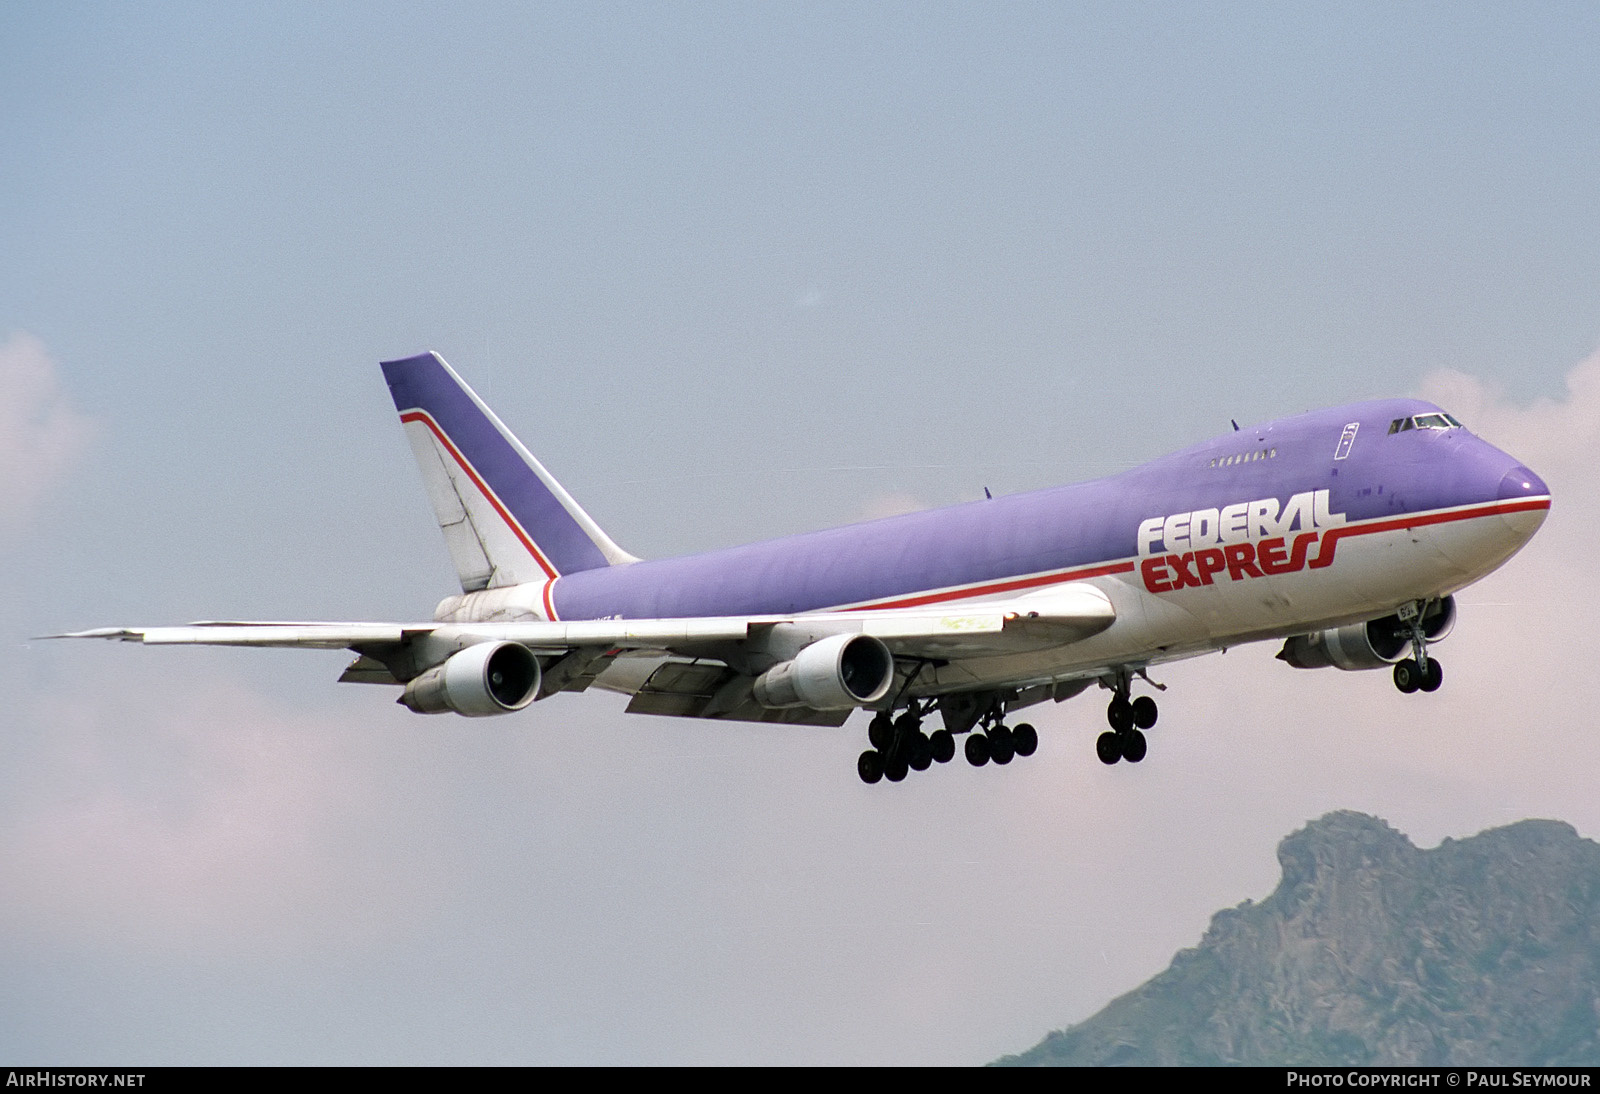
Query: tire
977, 749
943, 743
1025, 739
1144, 712
1407, 676
870, 766
919, 753
1433, 677
1001, 747
881, 732
1134, 746
1108, 746
1119, 713
894, 768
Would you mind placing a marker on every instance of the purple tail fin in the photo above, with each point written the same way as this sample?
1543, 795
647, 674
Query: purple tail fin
506, 520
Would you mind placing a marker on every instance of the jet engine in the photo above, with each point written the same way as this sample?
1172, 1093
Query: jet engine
1369, 645
843, 670
488, 678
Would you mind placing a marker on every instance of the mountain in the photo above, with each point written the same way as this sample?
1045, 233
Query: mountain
1370, 951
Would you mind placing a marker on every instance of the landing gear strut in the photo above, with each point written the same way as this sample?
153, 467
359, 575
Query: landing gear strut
999, 742
899, 745
1125, 739
1419, 672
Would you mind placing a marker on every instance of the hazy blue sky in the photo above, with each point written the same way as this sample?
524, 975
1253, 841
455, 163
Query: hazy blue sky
731, 271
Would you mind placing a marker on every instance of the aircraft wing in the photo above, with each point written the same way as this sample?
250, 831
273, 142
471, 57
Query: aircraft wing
682, 667
315, 636
1052, 618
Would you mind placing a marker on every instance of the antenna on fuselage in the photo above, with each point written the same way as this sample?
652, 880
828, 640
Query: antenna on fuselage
1235, 425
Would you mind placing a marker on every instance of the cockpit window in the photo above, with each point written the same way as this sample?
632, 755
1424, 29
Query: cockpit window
1424, 421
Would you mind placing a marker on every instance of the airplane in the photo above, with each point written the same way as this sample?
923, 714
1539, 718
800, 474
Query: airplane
1344, 533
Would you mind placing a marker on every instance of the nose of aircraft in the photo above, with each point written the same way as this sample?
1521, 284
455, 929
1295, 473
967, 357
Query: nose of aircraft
1520, 483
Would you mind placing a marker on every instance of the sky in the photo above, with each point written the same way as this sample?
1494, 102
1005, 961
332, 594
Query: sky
731, 271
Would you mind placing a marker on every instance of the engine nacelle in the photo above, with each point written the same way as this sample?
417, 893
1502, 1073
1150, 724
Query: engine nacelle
842, 670
1369, 645
488, 678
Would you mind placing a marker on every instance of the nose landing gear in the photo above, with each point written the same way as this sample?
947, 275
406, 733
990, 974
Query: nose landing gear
1419, 672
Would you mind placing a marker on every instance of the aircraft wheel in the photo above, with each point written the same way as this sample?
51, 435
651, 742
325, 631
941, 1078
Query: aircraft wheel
881, 732
1433, 677
1108, 746
870, 766
1025, 739
1119, 712
943, 743
1407, 676
894, 768
1001, 747
1144, 712
977, 749
1134, 746
919, 753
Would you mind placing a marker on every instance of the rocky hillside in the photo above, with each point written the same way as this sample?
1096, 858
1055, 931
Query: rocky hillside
1370, 951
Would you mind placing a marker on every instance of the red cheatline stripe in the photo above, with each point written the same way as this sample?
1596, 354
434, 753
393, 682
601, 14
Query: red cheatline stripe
1333, 534
1394, 524
1523, 505
516, 529
549, 602
1009, 586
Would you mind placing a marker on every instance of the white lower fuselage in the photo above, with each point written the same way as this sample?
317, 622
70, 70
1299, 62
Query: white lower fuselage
1376, 567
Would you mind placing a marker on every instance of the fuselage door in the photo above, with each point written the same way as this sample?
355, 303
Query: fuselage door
1346, 439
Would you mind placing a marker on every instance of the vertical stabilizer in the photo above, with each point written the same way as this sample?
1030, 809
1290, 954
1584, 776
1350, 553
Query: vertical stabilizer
506, 520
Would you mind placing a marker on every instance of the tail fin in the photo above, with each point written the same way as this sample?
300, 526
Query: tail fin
504, 518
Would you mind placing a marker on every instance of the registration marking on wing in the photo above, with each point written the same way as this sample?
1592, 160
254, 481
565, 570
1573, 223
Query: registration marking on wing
966, 622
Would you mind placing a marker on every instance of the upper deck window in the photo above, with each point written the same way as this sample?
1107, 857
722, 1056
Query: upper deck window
1425, 421
1245, 457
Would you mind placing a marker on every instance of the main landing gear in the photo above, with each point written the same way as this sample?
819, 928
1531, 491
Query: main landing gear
1129, 719
1418, 672
1000, 743
900, 746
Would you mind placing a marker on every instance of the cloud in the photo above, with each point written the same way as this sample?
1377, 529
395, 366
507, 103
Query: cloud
191, 814
41, 435
892, 504
1551, 579
1558, 434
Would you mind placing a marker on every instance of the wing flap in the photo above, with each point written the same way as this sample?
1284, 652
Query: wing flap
1053, 617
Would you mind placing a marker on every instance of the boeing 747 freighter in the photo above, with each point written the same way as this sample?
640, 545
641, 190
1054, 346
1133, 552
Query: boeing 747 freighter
1341, 533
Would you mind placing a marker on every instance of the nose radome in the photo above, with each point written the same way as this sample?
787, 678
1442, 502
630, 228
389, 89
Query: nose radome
1520, 482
